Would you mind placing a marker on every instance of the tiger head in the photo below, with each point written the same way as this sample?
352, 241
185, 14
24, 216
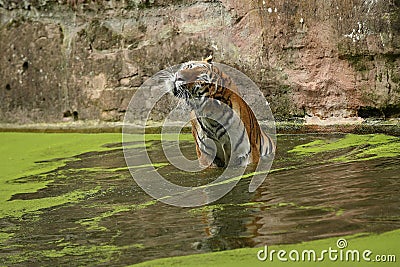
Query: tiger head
194, 81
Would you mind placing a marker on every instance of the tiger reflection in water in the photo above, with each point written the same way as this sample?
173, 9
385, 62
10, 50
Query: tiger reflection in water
223, 125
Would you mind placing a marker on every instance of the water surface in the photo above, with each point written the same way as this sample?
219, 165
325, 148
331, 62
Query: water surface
313, 192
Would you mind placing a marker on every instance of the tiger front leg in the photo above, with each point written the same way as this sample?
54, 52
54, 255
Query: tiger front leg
240, 156
205, 155
240, 160
205, 160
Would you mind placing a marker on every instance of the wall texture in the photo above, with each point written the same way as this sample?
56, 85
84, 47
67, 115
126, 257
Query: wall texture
84, 59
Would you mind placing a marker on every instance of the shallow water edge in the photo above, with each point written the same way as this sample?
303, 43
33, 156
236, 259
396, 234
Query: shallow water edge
70, 198
391, 127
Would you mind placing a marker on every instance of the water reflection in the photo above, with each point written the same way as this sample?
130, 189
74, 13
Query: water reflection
308, 198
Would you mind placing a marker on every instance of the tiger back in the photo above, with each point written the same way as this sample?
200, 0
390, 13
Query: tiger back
224, 127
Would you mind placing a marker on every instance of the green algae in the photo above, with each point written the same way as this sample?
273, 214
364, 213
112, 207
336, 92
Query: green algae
155, 165
26, 162
19, 207
208, 208
350, 140
93, 223
24, 155
5, 236
365, 147
29, 154
102, 252
112, 170
379, 244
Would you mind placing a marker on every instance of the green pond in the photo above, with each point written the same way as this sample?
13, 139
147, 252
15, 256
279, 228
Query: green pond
70, 200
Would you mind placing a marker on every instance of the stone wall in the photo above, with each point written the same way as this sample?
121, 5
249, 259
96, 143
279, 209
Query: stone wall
84, 59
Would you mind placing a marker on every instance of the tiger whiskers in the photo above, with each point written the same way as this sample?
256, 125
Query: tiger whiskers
166, 75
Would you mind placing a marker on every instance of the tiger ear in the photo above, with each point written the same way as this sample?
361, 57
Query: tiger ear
208, 59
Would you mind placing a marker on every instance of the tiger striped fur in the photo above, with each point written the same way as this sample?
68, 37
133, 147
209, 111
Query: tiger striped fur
223, 125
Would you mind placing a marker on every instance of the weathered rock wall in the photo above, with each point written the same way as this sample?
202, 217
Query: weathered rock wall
85, 59
338, 57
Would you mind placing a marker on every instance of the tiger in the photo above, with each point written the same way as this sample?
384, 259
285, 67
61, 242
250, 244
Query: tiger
223, 126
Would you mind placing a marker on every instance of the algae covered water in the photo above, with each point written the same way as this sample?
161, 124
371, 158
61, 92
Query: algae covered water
69, 199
